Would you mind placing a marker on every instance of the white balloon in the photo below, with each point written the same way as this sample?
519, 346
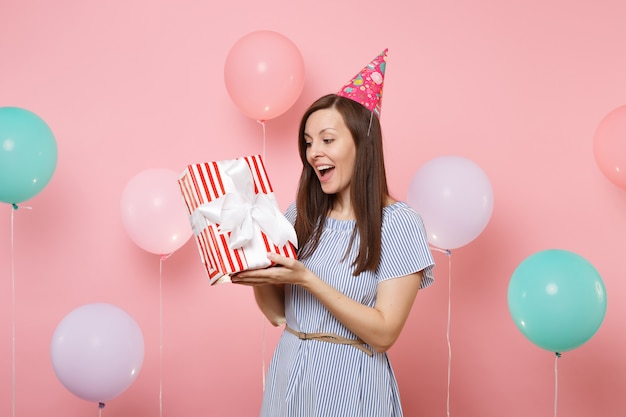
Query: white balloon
97, 351
455, 199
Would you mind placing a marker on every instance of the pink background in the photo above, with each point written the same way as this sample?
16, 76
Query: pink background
518, 87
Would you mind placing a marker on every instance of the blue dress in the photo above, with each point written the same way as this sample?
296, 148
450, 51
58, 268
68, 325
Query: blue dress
313, 378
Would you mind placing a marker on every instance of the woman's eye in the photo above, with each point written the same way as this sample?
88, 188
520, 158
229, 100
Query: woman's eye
328, 140
307, 144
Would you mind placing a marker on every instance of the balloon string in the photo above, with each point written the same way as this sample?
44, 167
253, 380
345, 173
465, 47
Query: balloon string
448, 330
556, 380
264, 341
161, 259
262, 123
13, 310
449, 254
13, 373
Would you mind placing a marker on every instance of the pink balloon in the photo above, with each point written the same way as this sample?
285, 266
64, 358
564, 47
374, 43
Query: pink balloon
264, 74
97, 351
154, 213
455, 199
609, 146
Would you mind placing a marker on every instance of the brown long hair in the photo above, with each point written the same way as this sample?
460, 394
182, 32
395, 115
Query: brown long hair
368, 191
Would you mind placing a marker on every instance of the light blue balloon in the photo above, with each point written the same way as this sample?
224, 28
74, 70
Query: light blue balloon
557, 299
28, 154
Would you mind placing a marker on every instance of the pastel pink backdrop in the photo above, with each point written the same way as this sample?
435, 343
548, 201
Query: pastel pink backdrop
517, 87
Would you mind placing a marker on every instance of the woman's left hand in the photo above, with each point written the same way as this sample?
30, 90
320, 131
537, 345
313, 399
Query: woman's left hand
285, 271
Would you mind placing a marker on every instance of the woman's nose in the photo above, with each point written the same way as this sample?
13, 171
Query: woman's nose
315, 149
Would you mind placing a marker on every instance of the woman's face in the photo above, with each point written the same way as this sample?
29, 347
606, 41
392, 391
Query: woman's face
330, 150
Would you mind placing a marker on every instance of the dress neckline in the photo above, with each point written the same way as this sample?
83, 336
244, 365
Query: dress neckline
349, 223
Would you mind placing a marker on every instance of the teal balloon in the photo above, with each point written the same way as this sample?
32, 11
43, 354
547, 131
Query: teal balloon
28, 154
557, 299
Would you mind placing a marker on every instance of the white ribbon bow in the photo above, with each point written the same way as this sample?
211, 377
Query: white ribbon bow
241, 212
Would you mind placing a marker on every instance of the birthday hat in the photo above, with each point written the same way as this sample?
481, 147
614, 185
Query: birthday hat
366, 87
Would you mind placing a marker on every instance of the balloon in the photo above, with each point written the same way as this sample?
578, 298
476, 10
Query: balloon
264, 74
557, 299
154, 213
609, 146
28, 154
97, 351
455, 199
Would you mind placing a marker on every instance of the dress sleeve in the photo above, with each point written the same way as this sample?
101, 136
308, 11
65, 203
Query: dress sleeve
290, 213
405, 247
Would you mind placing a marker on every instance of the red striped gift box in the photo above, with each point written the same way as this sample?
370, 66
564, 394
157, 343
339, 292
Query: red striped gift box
207, 187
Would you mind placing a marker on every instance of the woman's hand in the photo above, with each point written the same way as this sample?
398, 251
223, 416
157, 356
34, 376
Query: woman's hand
285, 271
268, 284
378, 326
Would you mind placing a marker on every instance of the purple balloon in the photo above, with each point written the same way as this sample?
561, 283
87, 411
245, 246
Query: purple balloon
97, 351
455, 199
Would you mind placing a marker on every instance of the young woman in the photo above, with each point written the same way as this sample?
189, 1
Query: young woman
362, 258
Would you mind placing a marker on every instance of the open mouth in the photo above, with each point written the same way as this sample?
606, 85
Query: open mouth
325, 169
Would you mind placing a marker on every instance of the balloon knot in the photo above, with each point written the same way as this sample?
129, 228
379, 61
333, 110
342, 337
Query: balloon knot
101, 405
14, 206
448, 252
558, 354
